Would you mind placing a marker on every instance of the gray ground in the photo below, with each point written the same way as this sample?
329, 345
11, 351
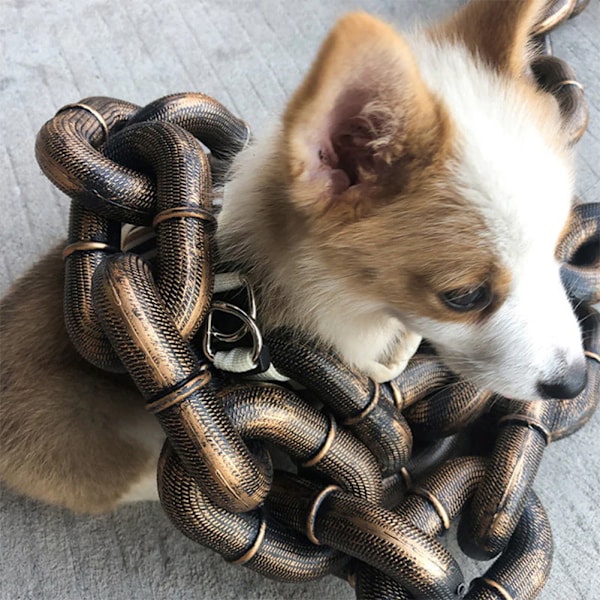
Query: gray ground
250, 55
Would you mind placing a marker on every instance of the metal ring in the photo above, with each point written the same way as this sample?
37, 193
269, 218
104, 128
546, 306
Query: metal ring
251, 552
593, 355
179, 394
248, 135
249, 323
92, 111
440, 509
314, 509
184, 211
397, 395
363, 413
86, 246
236, 336
529, 422
311, 462
252, 311
550, 22
496, 587
566, 82
407, 478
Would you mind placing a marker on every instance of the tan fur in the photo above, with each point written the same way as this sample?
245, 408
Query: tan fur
66, 429
496, 30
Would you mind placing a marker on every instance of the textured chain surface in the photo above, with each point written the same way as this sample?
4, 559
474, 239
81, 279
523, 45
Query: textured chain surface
381, 470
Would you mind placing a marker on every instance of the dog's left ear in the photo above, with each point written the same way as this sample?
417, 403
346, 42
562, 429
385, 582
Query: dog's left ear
497, 31
359, 121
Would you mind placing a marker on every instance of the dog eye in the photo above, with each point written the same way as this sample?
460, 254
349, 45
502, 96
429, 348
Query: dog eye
464, 300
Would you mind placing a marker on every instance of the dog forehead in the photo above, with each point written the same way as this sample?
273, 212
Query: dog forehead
508, 160
522, 191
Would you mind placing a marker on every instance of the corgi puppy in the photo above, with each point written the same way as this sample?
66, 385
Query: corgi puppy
416, 187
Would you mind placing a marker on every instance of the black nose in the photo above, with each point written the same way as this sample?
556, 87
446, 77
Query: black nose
569, 386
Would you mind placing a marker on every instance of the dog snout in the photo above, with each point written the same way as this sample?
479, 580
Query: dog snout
565, 386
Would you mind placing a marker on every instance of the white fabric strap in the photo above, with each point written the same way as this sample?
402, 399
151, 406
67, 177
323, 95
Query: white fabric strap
239, 360
225, 282
135, 235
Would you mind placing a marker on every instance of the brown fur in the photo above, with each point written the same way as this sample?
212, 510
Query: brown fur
497, 30
62, 422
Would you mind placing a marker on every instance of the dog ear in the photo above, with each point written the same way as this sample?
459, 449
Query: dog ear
362, 108
498, 31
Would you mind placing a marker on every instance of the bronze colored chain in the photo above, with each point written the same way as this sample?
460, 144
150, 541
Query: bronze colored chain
374, 484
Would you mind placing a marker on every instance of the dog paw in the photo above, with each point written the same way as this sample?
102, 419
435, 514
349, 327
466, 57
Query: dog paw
405, 350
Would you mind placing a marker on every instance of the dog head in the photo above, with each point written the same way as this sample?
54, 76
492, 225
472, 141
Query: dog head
434, 179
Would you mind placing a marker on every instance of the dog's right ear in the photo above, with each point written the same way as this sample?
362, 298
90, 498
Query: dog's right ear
498, 31
361, 110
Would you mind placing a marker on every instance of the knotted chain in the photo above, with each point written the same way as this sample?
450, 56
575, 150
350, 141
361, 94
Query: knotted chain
382, 469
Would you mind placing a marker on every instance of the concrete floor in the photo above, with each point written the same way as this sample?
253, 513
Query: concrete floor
250, 55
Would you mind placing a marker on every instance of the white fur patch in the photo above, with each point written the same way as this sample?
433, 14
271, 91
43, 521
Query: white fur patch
147, 432
143, 490
523, 189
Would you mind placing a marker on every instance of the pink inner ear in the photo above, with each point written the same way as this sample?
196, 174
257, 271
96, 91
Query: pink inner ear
339, 179
354, 149
346, 152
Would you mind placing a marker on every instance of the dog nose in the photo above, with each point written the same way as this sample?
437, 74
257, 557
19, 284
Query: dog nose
569, 386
